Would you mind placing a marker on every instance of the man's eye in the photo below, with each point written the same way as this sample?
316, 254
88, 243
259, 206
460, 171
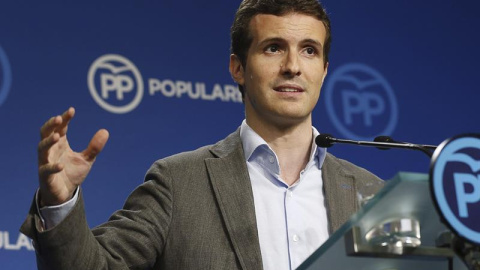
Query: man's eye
310, 51
272, 49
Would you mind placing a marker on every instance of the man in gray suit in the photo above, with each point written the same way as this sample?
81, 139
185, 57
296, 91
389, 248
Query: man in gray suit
265, 197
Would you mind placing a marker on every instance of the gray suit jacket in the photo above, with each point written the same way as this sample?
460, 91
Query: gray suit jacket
195, 210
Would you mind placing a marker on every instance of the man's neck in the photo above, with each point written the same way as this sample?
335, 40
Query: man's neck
291, 143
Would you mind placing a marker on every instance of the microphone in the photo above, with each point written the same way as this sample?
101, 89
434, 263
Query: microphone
381, 142
325, 140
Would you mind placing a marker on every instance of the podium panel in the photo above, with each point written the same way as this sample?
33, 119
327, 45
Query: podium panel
405, 198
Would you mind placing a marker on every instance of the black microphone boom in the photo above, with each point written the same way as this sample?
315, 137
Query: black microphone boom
381, 142
427, 149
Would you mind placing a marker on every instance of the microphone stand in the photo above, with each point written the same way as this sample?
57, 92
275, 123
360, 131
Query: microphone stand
381, 142
427, 149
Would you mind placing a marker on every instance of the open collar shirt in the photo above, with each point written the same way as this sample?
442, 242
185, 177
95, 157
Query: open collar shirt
291, 220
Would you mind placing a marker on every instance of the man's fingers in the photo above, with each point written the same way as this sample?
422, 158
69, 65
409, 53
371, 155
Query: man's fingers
96, 145
57, 123
66, 117
48, 169
45, 145
49, 126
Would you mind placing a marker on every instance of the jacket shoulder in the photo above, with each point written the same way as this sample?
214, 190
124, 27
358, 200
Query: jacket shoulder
194, 161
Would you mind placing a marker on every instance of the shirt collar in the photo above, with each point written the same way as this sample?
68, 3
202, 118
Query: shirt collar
251, 141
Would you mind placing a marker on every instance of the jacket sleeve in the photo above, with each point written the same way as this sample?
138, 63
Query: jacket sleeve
133, 237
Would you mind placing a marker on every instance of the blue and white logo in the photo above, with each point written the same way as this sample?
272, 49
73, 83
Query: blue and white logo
455, 176
5, 76
360, 102
115, 83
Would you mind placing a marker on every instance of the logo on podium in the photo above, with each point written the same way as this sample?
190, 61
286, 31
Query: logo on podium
455, 184
5, 76
360, 102
115, 83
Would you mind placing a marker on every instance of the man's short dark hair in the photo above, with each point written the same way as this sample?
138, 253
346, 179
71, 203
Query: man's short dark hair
241, 38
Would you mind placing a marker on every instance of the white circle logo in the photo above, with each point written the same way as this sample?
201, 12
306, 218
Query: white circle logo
115, 83
360, 102
455, 184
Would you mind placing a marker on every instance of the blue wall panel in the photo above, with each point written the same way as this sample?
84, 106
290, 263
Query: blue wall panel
425, 51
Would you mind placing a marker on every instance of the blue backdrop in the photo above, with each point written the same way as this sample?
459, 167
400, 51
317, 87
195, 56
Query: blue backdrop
155, 74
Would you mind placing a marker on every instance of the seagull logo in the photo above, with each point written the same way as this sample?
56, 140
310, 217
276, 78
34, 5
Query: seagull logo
455, 183
465, 180
360, 102
115, 83
466, 159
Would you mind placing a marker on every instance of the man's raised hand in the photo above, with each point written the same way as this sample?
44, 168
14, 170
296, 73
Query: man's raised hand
60, 169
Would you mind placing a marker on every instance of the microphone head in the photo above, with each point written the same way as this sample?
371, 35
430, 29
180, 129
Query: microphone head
324, 140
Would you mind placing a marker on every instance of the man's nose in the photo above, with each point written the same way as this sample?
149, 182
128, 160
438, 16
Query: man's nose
290, 66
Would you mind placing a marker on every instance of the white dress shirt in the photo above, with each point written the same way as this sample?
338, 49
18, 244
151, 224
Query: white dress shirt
292, 220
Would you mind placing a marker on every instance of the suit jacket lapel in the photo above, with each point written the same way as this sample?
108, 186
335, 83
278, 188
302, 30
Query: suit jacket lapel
339, 192
232, 187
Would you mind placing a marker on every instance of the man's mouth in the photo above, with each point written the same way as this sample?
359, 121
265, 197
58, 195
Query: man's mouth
288, 89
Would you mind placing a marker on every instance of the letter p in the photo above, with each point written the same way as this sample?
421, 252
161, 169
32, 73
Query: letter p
120, 83
368, 104
464, 198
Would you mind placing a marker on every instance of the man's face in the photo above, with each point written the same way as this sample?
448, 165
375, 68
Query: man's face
284, 69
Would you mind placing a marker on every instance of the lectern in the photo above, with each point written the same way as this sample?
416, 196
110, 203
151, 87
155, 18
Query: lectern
368, 240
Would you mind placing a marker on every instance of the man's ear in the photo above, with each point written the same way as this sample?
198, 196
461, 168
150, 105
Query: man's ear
236, 69
325, 73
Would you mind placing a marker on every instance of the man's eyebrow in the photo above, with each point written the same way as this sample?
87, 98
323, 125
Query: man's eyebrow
271, 40
281, 40
313, 42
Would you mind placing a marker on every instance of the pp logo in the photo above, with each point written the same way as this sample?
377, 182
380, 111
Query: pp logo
5, 76
115, 83
360, 102
455, 176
